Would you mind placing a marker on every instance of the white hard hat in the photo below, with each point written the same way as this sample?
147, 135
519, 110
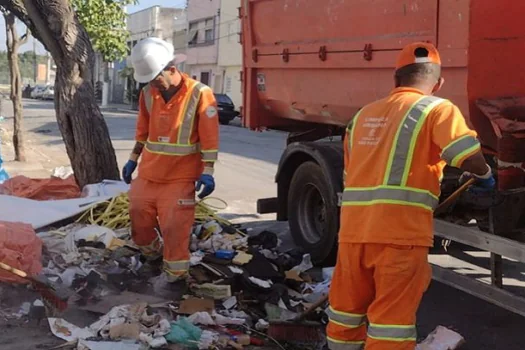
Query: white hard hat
150, 56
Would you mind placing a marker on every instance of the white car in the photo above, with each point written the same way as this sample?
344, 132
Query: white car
48, 93
38, 91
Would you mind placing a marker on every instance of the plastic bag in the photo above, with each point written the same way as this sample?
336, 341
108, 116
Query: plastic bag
3, 174
19, 248
183, 332
41, 189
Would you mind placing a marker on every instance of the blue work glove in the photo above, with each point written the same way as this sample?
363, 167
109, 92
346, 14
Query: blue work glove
484, 185
128, 170
208, 182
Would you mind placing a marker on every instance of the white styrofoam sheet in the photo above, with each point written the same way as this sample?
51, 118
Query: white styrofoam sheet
43, 213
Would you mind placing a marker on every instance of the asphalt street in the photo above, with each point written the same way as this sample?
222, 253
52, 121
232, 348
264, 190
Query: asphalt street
245, 172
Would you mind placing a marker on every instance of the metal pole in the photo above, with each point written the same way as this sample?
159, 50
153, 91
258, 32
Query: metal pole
496, 262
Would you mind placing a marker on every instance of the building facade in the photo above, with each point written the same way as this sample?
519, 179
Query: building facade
202, 40
167, 23
230, 50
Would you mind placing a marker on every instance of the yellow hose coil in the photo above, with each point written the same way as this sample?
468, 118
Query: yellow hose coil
114, 214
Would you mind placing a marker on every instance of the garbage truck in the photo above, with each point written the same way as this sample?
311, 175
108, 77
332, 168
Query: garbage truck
310, 65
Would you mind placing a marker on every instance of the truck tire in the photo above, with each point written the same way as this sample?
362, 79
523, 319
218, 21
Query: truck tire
313, 213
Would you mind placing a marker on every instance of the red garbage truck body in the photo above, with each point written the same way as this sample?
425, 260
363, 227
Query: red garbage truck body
310, 65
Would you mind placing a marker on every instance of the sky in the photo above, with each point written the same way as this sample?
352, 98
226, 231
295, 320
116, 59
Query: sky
40, 49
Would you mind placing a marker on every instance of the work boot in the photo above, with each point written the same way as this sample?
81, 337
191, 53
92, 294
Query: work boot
165, 289
150, 268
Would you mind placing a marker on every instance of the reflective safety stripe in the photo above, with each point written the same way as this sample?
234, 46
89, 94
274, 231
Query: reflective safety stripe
189, 114
334, 344
400, 159
344, 319
183, 145
459, 148
148, 99
397, 333
390, 195
350, 129
175, 266
171, 149
210, 155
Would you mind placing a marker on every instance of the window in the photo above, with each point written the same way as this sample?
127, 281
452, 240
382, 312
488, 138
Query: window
192, 38
209, 23
205, 78
208, 35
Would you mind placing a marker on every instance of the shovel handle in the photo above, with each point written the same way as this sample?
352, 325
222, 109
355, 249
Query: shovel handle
17, 272
452, 198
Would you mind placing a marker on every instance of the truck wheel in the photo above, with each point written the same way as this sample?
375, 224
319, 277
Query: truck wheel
313, 213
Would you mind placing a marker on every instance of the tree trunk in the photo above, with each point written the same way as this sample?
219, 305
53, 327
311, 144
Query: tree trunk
13, 43
80, 121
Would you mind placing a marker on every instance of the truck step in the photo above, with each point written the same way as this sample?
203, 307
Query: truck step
267, 205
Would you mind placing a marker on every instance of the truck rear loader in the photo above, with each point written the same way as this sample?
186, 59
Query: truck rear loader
310, 65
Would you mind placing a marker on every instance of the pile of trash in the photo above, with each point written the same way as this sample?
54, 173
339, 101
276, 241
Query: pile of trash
244, 290
241, 286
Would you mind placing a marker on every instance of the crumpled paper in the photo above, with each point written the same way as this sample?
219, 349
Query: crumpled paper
67, 331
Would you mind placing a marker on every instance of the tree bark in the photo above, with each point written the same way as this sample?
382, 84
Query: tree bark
80, 121
13, 43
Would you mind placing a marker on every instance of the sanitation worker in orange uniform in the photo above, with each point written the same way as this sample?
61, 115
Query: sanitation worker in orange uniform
177, 138
395, 152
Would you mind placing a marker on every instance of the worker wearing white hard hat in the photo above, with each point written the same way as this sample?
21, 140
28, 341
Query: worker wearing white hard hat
177, 139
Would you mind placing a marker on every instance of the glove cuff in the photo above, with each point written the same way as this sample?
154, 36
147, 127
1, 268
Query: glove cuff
208, 170
485, 176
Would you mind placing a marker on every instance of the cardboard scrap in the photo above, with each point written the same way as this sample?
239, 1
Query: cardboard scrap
242, 258
193, 305
125, 331
293, 275
67, 331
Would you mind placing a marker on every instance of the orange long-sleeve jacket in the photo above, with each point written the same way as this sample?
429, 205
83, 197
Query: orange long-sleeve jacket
395, 152
180, 135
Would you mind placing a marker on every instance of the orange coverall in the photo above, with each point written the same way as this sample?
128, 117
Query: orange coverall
180, 136
395, 152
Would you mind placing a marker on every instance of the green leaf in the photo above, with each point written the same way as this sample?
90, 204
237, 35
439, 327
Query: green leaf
105, 23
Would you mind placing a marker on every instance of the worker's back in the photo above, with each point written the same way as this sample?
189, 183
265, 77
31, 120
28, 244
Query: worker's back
394, 167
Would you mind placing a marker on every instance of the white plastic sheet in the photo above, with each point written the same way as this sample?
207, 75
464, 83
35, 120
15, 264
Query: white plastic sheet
43, 213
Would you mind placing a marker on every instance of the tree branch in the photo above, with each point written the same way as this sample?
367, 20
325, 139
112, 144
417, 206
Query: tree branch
17, 8
24, 38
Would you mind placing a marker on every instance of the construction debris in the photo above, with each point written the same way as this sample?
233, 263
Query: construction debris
442, 338
238, 285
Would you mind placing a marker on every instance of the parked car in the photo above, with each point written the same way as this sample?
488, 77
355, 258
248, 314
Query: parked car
48, 93
226, 108
38, 91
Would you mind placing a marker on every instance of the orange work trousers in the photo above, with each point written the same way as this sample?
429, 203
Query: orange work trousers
379, 286
171, 207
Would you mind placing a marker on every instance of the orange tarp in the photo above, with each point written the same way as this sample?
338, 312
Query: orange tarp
20, 248
41, 189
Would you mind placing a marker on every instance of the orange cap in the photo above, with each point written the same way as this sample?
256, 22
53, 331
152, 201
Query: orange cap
418, 53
